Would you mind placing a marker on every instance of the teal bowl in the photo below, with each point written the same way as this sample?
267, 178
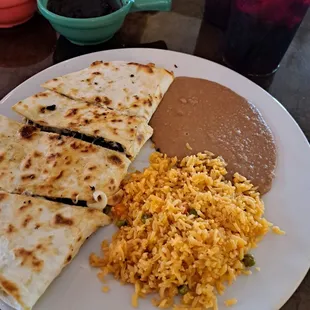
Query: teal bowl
89, 31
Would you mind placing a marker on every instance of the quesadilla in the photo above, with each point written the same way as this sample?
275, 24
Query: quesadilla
97, 124
57, 167
133, 88
38, 238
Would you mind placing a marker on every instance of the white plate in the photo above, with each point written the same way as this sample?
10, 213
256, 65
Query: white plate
284, 260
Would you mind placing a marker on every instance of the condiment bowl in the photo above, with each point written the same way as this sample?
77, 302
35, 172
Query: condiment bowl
15, 12
88, 31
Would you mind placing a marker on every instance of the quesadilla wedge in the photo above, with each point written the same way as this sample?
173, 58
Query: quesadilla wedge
133, 88
97, 124
57, 167
38, 238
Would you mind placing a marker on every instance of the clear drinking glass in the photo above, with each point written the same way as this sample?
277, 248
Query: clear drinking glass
259, 33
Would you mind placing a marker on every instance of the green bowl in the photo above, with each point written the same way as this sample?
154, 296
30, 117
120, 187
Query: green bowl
88, 31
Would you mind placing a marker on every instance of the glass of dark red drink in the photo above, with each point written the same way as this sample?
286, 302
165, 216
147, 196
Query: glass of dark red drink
259, 33
217, 12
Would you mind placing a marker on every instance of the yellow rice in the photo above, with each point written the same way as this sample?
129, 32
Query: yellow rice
231, 302
172, 247
188, 146
105, 289
277, 230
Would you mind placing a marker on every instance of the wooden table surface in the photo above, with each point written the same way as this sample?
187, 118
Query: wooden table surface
34, 46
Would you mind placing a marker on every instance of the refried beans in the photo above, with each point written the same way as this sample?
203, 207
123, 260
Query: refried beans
198, 115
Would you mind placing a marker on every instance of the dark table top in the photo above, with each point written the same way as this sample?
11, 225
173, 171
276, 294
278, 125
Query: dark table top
34, 46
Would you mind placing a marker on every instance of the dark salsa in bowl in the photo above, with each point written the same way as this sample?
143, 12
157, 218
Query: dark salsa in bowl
83, 8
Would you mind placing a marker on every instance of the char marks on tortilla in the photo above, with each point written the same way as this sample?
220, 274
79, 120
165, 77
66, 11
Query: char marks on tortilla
55, 166
98, 124
132, 88
33, 255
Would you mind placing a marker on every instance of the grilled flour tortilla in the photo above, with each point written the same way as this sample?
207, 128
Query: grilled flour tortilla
96, 124
133, 88
54, 166
38, 238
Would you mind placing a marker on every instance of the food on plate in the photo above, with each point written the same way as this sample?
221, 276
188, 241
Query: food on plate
58, 167
82, 8
187, 230
38, 238
97, 124
208, 116
231, 302
277, 230
135, 89
248, 260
